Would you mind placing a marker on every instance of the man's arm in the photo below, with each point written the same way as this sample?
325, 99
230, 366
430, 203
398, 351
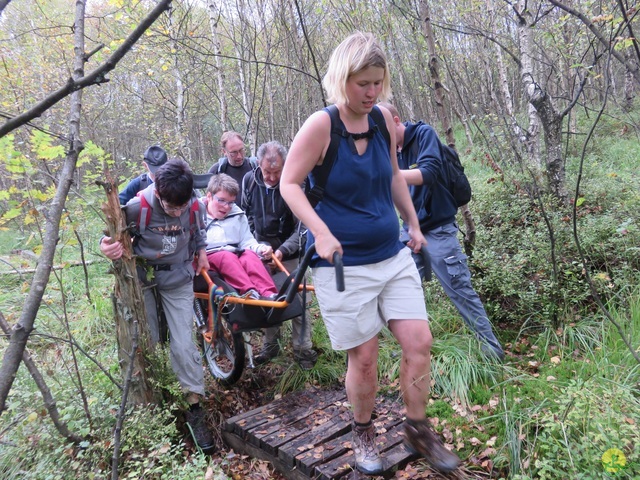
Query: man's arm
214, 168
425, 166
290, 245
129, 191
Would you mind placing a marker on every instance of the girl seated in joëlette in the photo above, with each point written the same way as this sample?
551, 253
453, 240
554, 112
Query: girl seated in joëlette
232, 251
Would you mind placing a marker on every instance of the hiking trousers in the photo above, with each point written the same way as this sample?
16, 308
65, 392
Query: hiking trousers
449, 265
185, 357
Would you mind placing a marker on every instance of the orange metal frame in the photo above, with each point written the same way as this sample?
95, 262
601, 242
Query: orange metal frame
241, 300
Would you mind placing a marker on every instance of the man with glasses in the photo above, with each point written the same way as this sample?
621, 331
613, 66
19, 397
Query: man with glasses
272, 222
234, 163
170, 223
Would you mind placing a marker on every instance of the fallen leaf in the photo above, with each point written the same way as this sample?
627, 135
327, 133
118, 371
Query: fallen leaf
555, 360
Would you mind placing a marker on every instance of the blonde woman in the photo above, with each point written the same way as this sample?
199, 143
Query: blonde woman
357, 218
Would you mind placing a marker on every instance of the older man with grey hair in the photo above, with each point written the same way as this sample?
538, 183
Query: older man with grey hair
272, 222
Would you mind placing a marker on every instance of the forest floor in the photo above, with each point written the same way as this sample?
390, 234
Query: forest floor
255, 389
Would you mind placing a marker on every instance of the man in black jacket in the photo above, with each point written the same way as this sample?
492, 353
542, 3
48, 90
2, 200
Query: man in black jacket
234, 163
272, 222
154, 158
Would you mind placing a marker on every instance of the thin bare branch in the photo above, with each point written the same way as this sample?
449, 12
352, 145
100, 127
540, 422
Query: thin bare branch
634, 69
95, 77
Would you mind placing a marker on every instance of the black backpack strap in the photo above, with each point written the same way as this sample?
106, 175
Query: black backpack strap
321, 172
145, 181
381, 123
222, 164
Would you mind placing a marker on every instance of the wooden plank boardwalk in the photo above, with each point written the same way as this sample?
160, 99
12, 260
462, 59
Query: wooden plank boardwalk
307, 435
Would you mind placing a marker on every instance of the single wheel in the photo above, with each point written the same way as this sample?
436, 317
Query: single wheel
223, 351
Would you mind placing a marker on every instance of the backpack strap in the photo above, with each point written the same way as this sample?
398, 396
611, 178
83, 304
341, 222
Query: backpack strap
144, 215
381, 123
248, 184
222, 164
194, 214
321, 172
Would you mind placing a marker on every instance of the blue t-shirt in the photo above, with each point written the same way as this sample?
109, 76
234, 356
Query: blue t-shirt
357, 205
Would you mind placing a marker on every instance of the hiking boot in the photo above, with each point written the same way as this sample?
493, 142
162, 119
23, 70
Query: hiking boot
306, 358
268, 352
364, 447
421, 439
199, 430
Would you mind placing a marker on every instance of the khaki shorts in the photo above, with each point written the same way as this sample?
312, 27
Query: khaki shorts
374, 294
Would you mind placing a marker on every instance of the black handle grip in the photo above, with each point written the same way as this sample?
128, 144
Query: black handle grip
302, 268
426, 261
337, 263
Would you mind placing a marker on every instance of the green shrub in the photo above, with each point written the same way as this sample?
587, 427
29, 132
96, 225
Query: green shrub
587, 419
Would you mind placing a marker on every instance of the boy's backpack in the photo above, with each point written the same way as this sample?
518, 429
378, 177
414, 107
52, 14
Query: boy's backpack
223, 163
144, 214
458, 182
321, 172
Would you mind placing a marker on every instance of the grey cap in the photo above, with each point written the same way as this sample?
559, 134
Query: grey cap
155, 157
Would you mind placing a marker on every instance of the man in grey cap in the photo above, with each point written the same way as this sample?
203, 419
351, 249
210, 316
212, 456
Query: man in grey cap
154, 158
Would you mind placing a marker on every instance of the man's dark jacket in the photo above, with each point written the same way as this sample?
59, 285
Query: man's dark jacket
270, 219
432, 200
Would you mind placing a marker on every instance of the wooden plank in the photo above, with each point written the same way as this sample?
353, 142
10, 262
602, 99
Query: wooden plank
281, 430
239, 445
303, 431
307, 435
260, 416
331, 429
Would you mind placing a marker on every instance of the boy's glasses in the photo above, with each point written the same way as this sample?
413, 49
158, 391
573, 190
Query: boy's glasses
224, 203
171, 209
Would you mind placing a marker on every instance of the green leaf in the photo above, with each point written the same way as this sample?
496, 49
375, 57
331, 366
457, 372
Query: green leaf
42, 147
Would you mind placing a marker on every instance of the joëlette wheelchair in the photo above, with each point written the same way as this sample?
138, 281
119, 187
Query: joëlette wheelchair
222, 316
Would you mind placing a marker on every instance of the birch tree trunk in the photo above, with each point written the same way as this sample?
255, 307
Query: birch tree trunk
242, 49
629, 84
541, 107
183, 139
215, 14
439, 93
531, 137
